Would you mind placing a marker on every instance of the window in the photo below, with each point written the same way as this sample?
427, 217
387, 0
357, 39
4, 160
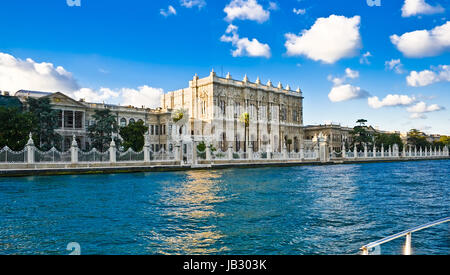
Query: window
79, 120
152, 130
60, 117
123, 122
140, 120
68, 119
156, 130
132, 121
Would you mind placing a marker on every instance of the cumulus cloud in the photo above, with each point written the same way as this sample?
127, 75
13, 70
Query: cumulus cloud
328, 40
246, 10
170, 11
244, 46
424, 43
394, 65
417, 7
390, 101
342, 91
17, 74
428, 77
418, 110
193, 3
346, 92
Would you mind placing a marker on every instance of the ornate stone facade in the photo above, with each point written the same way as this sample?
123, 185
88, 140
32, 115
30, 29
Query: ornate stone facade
215, 106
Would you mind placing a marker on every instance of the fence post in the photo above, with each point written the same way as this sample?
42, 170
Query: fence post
404, 151
146, 148
112, 151
302, 153
408, 244
194, 152
374, 151
230, 151
390, 151
30, 150
355, 151
74, 150
344, 155
382, 150
446, 151
177, 152
365, 150
285, 152
208, 152
269, 151
250, 151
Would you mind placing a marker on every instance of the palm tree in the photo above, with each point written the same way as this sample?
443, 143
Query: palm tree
245, 118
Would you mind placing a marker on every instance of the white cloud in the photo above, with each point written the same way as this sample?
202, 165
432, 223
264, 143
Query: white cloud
328, 40
390, 101
170, 11
346, 92
193, 3
343, 92
244, 46
146, 96
273, 6
428, 77
417, 7
395, 65
424, 43
418, 110
246, 10
364, 59
299, 11
17, 74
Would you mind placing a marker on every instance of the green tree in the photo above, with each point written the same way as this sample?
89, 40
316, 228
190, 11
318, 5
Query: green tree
45, 121
100, 133
15, 127
360, 136
417, 138
388, 140
362, 122
133, 136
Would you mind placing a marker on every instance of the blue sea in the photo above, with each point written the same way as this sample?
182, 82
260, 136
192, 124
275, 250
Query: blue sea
278, 211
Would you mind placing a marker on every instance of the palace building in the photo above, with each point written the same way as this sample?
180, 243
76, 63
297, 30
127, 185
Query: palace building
215, 106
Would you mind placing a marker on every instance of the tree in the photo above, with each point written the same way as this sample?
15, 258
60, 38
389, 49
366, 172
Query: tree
133, 136
362, 122
388, 140
360, 136
245, 118
45, 120
15, 127
101, 131
417, 138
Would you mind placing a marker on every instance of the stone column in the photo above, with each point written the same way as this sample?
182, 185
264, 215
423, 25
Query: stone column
323, 148
208, 152
177, 151
230, 151
146, 148
365, 150
316, 151
390, 151
415, 151
302, 153
344, 153
410, 151
112, 151
404, 151
355, 151
30, 150
285, 152
374, 151
269, 152
250, 151
194, 153
74, 150
382, 150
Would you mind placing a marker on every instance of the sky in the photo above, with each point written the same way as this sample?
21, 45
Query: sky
385, 61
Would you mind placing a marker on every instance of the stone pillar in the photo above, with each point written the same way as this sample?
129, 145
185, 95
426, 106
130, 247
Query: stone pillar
446, 151
269, 151
250, 151
365, 150
404, 151
415, 151
420, 151
323, 149
112, 151
147, 148
382, 150
355, 151
316, 151
374, 151
177, 152
302, 152
194, 153
390, 151
208, 153
230, 151
74, 150
285, 152
410, 151
30, 150
395, 151
344, 153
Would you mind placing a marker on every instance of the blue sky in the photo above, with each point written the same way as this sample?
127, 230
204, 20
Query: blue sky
131, 51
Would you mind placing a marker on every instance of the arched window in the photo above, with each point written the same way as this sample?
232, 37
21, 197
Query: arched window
140, 120
123, 122
131, 121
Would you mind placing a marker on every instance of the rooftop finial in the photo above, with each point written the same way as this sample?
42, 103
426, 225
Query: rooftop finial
269, 83
245, 78
298, 90
212, 72
280, 86
258, 81
228, 76
288, 87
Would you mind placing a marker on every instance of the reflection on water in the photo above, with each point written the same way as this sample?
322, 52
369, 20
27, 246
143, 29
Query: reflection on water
292, 210
193, 202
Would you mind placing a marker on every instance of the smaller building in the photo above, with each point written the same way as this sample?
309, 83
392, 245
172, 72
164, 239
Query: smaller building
336, 135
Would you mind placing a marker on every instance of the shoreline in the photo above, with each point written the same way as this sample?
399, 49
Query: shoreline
70, 169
